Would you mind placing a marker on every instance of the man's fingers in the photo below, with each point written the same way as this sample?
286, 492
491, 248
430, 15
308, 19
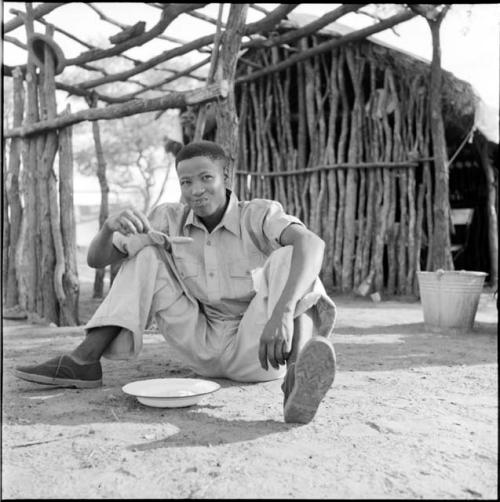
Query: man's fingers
145, 222
127, 226
279, 354
270, 355
263, 355
135, 220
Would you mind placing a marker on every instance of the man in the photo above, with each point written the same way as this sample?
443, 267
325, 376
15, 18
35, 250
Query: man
232, 285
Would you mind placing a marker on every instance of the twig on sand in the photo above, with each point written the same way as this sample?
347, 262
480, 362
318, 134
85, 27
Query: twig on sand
114, 414
33, 443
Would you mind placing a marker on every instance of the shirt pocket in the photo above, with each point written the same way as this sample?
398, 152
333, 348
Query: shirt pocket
188, 268
240, 278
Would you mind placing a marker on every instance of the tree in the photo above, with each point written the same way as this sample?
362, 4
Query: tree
134, 155
441, 255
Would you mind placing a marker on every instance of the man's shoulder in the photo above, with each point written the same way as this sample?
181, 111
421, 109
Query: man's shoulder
167, 213
256, 205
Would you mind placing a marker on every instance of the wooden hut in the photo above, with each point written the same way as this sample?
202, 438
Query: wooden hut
342, 140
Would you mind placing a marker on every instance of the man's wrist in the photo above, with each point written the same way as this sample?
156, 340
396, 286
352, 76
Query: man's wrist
105, 228
284, 307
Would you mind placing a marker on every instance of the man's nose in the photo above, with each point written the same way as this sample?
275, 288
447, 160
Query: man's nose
197, 187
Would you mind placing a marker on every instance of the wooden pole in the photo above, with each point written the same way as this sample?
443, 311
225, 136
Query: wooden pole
52, 264
441, 257
171, 100
13, 198
226, 114
28, 257
104, 207
69, 314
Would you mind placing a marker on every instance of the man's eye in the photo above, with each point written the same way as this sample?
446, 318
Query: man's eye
185, 182
207, 177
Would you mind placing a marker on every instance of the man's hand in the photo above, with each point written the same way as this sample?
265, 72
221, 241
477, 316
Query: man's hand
276, 340
129, 221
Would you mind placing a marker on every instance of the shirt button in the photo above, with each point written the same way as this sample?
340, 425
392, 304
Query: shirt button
211, 274
209, 243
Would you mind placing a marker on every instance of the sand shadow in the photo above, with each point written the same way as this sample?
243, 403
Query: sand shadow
198, 425
197, 428
412, 345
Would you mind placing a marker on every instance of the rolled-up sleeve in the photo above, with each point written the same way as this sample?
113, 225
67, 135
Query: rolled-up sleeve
120, 242
275, 221
131, 244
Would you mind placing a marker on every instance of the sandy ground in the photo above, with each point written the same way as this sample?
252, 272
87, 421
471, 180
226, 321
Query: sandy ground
412, 414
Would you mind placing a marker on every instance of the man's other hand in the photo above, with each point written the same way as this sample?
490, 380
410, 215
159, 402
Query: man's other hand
276, 340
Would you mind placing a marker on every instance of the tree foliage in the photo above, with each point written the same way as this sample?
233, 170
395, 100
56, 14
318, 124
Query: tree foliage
134, 153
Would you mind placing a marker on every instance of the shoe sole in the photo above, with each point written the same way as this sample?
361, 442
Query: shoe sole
60, 382
314, 375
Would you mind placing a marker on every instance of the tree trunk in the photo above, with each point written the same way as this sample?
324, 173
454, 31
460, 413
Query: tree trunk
226, 116
441, 257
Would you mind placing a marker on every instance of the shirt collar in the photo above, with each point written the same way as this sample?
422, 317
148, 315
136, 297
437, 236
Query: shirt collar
230, 220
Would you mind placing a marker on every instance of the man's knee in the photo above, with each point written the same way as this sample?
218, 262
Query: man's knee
147, 253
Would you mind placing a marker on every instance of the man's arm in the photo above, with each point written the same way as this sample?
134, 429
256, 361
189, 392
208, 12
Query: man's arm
307, 258
101, 250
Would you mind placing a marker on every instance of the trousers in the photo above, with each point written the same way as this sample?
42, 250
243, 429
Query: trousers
149, 286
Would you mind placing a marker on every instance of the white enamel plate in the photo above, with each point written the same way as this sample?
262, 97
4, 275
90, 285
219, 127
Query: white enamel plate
170, 392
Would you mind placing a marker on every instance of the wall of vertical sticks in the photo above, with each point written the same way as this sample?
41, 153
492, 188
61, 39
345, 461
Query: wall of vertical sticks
342, 140
41, 270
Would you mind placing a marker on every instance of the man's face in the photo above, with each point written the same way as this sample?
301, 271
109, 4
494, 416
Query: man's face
202, 185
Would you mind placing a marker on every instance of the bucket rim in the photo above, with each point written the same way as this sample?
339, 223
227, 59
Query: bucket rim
453, 272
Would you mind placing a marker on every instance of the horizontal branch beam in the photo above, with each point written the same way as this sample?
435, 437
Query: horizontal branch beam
345, 165
40, 11
330, 45
259, 8
185, 73
309, 28
173, 100
203, 17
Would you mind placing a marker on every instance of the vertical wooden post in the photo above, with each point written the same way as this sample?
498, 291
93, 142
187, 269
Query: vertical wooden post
226, 115
12, 198
442, 246
69, 315
52, 248
103, 184
28, 257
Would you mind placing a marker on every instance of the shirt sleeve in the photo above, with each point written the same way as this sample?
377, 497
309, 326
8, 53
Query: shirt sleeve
131, 244
275, 221
120, 242
159, 218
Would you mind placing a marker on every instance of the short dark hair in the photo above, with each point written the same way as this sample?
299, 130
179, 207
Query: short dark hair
203, 148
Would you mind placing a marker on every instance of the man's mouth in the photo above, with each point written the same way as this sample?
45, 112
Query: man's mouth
199, 202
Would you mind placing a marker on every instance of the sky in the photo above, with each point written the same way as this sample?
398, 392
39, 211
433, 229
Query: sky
469, 35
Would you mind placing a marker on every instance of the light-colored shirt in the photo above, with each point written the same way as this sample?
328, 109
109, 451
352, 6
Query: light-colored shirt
218, 268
